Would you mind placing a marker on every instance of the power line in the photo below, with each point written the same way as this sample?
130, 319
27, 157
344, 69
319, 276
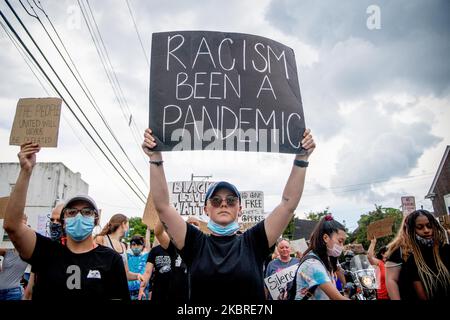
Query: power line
67, 90
138, 34
104, 58
89, 96
56, 89
31, 67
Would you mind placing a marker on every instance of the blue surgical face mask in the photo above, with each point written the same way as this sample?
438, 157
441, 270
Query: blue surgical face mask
136, 251
55, 231
228, 230
79, 228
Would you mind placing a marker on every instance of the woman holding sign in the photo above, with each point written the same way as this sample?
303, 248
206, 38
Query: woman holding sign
224, 266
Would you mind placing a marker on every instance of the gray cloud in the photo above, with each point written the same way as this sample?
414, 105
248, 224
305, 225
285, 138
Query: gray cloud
409, 52
379, 148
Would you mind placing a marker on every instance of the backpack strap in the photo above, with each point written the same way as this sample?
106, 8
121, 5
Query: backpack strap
311, 290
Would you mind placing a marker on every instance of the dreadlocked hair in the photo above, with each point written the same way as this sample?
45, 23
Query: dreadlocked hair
430, 279
114, 223
401, 241
327, 225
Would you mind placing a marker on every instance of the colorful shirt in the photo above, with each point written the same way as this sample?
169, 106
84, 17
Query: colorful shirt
136, 264
310, 273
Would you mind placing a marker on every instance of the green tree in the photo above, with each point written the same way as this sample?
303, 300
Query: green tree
316, 216
288, 233
360, 233
136, 227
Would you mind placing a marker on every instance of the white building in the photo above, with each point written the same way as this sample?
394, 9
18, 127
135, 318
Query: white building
51, 183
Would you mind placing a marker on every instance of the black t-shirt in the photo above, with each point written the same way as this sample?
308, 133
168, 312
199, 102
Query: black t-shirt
405, 286
170, 282
228, 268
427, 254
98, 274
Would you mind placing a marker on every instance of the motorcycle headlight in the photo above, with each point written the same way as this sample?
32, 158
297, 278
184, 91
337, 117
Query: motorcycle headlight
367, 282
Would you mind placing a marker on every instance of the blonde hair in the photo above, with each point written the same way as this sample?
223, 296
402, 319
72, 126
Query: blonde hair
401, 241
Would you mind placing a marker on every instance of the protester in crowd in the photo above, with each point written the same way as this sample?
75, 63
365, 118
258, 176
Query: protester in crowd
56, 233
111, 235
379, 260
136, 263
170, 279
316, 272
282, 262
80, 269
231, 265
12, 272
398, 251
428, 266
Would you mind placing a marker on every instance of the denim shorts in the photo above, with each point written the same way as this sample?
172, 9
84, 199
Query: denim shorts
11, 294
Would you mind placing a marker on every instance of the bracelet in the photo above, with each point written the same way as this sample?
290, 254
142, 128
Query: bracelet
301, 163
156, 162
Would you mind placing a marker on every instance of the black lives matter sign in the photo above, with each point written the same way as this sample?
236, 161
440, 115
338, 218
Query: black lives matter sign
224, 91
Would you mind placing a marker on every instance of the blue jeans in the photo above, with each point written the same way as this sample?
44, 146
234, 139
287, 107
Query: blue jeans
11, 294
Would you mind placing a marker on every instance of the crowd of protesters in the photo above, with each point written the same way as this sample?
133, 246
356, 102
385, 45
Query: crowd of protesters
186, 264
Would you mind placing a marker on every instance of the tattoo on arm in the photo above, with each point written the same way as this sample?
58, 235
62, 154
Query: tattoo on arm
285, 199
167, 230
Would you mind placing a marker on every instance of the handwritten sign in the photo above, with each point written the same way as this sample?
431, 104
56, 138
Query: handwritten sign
276, 283
408, 205
224, 91
36, 120
380, 228
188, 197
252, 203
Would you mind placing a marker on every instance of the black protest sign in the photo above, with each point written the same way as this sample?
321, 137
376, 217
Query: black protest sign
224, 91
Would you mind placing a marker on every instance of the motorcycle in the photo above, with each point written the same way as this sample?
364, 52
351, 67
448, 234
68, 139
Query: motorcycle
364, 277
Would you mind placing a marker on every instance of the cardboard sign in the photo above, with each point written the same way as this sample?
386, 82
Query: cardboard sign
150, 217
252, 203
36, 120
224, 91
298, 245
380, 228
3, 204
276, 283
188, 197
408, 205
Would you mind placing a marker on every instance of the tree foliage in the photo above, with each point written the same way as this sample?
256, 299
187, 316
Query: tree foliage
137, 227
360, 233
316, 216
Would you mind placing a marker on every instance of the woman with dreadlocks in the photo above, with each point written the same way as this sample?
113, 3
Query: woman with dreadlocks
429, 264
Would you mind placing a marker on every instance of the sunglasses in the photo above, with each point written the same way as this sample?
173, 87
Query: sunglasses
85, 212
54, 220
216, 201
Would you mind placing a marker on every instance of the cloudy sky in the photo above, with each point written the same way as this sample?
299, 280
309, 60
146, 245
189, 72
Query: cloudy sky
377, 99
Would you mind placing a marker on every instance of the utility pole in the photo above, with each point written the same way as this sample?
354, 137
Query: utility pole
204, 177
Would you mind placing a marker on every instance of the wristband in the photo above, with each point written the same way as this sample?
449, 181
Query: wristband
156, 162
301, 163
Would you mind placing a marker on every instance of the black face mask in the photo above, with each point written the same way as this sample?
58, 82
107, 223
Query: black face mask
55, 231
